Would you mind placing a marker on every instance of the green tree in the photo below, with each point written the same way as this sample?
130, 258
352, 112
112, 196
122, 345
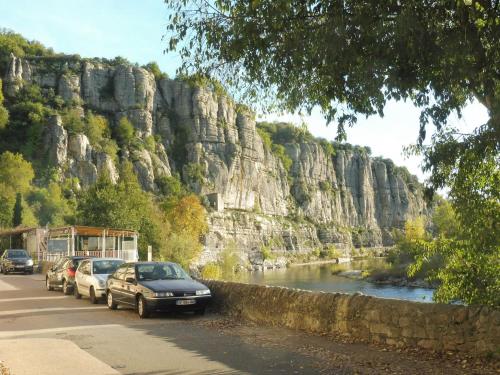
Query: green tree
96, 128
445, 220
50, 206
4, 114
125, 131
155, 69
124, 205
15, 172
17, 218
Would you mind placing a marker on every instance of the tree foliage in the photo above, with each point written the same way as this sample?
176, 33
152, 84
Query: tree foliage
4, 114
124, 205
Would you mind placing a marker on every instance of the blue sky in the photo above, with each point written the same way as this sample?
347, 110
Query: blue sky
134, 29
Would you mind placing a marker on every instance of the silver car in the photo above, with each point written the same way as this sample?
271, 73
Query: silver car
91, 277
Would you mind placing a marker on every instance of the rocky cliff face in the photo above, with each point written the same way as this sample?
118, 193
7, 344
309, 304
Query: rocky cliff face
343, 199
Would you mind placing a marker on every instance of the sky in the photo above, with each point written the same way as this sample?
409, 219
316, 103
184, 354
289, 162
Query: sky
134, 29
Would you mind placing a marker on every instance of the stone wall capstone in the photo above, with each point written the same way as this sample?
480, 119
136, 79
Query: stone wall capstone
431, 326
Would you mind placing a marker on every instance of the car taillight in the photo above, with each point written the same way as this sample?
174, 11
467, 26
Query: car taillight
71, 272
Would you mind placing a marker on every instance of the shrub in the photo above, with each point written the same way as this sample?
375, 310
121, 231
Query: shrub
211, 271
125, 131
150, 143
73, 122
266, 252
155, 69
330, 252
195, 173
97, 128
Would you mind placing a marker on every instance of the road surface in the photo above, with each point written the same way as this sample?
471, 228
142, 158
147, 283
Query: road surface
185, 343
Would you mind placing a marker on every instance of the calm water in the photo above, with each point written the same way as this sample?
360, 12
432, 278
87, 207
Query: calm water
320, 277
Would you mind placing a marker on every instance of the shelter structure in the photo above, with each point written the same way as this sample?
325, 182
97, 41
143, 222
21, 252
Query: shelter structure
52, 243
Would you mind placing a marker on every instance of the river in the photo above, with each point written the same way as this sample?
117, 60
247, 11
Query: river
321, 277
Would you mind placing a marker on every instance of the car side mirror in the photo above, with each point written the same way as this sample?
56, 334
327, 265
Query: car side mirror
130, 280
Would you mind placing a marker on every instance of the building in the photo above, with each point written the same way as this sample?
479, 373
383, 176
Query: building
52, 243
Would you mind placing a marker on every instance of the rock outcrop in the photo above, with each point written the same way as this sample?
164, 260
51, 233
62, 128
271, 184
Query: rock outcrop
344, 199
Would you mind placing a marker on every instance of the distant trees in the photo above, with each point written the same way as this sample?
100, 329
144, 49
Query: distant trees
4, 114
16, 175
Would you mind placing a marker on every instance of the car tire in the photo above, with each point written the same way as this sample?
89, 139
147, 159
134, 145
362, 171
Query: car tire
47, 285
111, 303
65, 287
142, 308
200, 311
4, 270
76, 293
93, 299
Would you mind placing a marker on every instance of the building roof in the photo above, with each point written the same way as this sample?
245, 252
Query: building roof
91, 231
15, 231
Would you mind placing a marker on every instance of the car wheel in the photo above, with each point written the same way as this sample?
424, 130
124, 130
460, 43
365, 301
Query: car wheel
93, 298
200, 312
47, 284
142, 308
4, 270
65, 287
111, 304
76, 293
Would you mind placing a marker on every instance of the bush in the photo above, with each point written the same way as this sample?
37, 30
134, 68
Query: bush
331, 252
211, 271
73, 122
195, 173
97, 128
266, 252
155, 69
150, 143
125, 131
170, 186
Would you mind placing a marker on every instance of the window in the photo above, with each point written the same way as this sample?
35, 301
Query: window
120, 272
82, 266
130, 272
12, 254
105, 267
161, 271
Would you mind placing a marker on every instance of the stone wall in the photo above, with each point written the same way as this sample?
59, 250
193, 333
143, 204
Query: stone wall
438, 327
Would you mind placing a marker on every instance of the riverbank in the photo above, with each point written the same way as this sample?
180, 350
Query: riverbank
326, 261
385, 277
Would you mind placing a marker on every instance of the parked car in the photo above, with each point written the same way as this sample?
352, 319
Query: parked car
156, 286
91, 276
16, 260
62, 274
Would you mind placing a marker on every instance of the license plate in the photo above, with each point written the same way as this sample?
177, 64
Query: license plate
186, 302
19, 266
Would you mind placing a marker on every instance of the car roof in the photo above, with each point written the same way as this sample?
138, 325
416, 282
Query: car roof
97, 259
143, 262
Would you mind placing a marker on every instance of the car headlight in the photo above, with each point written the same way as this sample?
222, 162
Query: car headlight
29, 262
163, 294
203, 292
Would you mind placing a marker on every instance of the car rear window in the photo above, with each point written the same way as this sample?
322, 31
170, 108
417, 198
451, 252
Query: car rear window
100, 267
17, 254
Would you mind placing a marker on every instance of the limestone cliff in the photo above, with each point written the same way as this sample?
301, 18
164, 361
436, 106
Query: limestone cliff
343, 198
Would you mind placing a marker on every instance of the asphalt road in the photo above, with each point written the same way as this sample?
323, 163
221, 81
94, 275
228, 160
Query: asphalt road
164, 344
189, 344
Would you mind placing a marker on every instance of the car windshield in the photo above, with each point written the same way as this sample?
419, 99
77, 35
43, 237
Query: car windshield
17, 254
100, 267
161, 271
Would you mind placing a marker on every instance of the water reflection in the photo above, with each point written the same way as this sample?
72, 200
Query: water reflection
322, 277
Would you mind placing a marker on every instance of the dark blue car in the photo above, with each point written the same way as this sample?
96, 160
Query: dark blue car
156, 286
